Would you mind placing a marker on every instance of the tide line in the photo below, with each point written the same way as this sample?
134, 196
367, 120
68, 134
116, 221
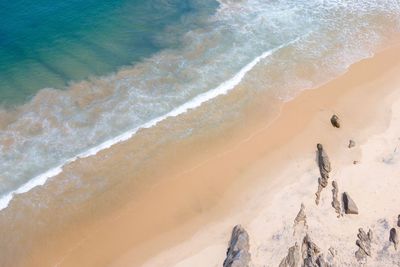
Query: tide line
195, 102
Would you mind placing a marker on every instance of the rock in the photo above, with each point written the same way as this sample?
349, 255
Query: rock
332, 251
335, 201
355, 162
398, 220
301, 216
394, 238
335, 121
364, 245
323, 162
293, 257
238, 254
350, 206
324, 168
310, 252
352, 144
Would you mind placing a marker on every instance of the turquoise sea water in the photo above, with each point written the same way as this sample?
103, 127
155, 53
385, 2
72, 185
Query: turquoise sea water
47, 43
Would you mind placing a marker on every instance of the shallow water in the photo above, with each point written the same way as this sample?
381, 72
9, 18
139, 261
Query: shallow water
47, 44
200, 51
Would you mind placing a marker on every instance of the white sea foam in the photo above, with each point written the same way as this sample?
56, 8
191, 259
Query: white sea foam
197, 101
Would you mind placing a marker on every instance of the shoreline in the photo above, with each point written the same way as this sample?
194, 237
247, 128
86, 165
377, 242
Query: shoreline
121, 220
193, 103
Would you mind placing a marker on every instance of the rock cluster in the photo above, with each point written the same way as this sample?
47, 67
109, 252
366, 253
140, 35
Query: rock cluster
364, 245
238, 254
350, 206
309, 256
324, 168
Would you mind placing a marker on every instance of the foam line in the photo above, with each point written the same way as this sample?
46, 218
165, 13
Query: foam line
197, 101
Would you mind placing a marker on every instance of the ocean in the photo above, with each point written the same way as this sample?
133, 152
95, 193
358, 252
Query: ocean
77, 77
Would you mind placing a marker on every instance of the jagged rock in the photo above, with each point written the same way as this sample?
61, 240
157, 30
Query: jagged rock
310, 252
335, 201
398, 220
321, 261
335, 121
394, 238
350, 206
364, 245
323, 162
238, 254
301, 216
292, 259
352, 144
324, 168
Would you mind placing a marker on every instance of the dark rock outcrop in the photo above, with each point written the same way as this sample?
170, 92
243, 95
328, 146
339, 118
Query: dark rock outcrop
335, 121
324, 168
238, 254
335, 200
364, 245
350, 206
394, 238
352, 143
292, 259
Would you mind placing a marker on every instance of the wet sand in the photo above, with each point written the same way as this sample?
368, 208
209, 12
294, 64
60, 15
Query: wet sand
196, 192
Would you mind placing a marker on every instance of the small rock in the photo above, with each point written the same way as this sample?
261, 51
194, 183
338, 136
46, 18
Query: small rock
293, 257
352, 144
364, 245
350, 206
394, 238
301, 216
335, 201
335, 121
398, 220
355, 162
238, 254
332, 251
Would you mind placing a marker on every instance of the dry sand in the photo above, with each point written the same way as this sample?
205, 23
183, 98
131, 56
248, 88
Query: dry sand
258, 179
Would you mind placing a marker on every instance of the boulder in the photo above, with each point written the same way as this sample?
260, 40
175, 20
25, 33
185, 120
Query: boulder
292, 259
350, 206
394, 238
238, 254
352, 144
335, 121
364, 245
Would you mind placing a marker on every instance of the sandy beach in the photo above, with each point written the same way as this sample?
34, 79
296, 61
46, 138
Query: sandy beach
257, 175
